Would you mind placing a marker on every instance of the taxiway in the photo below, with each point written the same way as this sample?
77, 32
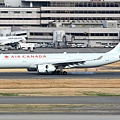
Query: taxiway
61, 100
57, 117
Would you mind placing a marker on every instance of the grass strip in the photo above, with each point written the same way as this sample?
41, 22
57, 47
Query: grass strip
60, 87
84, 93
55, 107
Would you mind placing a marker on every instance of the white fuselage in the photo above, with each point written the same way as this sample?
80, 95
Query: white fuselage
27, 60
11, 39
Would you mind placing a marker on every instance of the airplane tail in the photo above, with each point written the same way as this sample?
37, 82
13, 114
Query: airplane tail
116, 49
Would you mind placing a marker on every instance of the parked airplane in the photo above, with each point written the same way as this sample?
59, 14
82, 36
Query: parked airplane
12, 40
55, 63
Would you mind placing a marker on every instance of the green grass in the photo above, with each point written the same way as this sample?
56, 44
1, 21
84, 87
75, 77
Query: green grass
9, 94
99, 94
52, 108
89, 93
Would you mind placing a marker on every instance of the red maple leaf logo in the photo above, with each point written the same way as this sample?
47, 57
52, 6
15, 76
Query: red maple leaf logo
6, 56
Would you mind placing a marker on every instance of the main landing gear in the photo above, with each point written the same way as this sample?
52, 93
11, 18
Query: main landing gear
59, 72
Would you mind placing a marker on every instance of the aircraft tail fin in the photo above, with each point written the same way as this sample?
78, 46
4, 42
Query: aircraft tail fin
116, 49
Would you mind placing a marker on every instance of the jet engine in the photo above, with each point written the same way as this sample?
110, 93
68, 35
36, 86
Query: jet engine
46, 68
31, 69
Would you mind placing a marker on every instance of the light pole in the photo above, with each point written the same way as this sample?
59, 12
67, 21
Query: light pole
86, 38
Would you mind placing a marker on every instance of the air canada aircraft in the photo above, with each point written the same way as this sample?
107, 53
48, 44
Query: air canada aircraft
55, 63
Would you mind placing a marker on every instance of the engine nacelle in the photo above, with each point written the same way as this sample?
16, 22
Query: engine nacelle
46, 68
31, 69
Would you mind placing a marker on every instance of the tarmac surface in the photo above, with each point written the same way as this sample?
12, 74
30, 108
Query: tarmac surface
57, 117
81, 75
61, 100
53, 50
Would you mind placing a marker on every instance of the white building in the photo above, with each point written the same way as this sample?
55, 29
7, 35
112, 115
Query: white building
83, 19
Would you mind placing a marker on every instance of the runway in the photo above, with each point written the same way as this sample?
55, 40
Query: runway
57, 117
81, 75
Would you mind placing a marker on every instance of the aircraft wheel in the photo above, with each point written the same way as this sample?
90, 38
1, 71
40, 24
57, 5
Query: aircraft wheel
64, 73
38, 73
59, 72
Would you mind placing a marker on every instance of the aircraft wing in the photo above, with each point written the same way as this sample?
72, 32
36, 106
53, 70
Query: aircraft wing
67, 63
60, 63
74, 62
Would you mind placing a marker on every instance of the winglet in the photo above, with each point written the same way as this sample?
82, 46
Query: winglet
116, 49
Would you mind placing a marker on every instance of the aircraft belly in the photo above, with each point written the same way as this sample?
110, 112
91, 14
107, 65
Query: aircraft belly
13, 64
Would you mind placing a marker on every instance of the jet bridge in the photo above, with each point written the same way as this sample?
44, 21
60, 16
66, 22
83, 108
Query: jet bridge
61, 39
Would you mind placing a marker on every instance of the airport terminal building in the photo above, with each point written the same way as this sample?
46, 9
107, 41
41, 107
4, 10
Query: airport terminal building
90, 22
